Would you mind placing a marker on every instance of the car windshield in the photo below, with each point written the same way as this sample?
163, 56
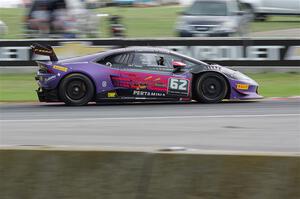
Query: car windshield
207, 8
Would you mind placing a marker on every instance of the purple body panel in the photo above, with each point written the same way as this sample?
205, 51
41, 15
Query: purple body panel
250, 93
107, 79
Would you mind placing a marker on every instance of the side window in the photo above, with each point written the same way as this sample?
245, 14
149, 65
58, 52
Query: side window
144, 60
152, 60
168, 59
164, 60
116, 61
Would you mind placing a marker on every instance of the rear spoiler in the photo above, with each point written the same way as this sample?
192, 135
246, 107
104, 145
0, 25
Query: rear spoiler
46, 50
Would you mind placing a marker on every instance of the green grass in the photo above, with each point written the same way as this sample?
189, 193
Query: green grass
278, 84
276, 23
17, 87
21, 87
143, 22
13, 18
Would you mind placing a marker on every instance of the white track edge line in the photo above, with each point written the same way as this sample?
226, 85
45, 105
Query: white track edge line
148, 117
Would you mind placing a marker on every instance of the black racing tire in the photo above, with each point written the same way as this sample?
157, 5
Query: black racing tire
210, 87
76, 89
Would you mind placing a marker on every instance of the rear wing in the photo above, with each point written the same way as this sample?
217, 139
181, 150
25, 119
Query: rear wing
46, 50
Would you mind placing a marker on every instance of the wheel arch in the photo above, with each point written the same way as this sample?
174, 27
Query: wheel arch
81, 73
198, 74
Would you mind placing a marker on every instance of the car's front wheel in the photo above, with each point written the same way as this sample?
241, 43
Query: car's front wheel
210, 87
76, 89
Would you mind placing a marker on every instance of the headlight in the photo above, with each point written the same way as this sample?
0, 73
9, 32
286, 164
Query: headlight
227, 26
228, 72
245, 78
241, 76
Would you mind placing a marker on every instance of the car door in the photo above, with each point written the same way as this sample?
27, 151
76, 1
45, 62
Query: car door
151, 75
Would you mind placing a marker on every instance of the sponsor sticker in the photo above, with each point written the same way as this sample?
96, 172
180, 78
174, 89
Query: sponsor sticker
242, 86
159, 84
111, 94
50, 78
149, 77
104, 84
142, 86
148, 93
42, 51
61, 68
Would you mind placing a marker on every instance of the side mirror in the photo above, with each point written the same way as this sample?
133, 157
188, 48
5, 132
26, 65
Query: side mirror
178, 65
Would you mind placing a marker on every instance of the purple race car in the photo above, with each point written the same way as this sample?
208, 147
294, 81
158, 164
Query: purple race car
137, 74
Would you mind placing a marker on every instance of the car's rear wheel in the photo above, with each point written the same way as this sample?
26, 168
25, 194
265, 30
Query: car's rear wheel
76, 89
210, 87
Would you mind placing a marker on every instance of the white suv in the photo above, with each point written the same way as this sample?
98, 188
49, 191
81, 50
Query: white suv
212, 18
262, 8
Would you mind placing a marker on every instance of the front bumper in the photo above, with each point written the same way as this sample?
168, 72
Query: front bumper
249, 92
186, 33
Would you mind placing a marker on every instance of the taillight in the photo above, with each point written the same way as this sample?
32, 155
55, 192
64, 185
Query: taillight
44, 69
50, 71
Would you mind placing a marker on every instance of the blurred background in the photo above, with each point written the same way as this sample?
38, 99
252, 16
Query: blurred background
147, 18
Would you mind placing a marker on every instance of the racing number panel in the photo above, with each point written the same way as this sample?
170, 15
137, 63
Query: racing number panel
179, 87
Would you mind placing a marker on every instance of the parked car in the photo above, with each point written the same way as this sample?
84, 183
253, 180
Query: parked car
123, 2
260, 9
144, 2
63, 18
137, 73
212, 18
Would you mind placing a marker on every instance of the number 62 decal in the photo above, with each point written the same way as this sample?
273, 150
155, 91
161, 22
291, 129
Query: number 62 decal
178, 86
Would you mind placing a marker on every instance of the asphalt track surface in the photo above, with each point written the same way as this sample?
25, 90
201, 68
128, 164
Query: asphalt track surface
264, 126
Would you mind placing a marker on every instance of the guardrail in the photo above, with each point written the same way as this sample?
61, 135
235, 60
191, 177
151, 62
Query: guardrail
45, 172
224, 51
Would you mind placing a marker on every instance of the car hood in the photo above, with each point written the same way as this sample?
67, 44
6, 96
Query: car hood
236, 75
231, 74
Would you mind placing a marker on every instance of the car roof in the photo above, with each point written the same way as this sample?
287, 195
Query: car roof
110, 52
144, 49
139, 49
